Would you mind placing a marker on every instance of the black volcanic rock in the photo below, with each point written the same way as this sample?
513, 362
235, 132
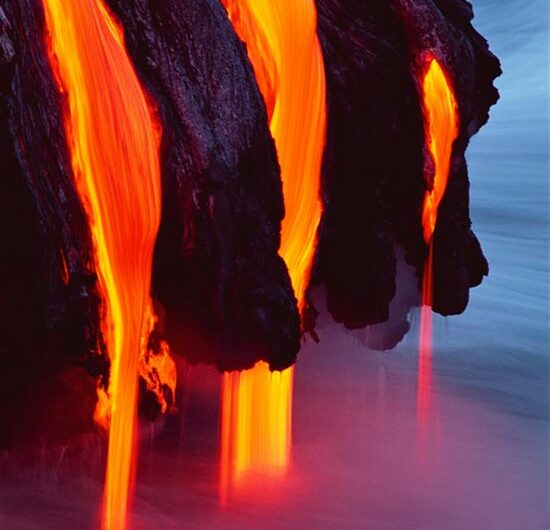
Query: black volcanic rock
223, 293
375, 53
225, 290
373, 159
222, 285
49, 309
443, 29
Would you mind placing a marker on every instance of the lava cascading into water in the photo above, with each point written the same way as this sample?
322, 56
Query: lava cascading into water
256, 427
424, 390
283, 47
114, 141
441, 127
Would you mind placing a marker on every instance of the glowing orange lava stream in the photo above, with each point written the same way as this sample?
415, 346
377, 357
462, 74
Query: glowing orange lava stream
441, 126
284, 50
113, 140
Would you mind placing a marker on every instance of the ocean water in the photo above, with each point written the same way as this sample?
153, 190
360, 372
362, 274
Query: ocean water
365, 457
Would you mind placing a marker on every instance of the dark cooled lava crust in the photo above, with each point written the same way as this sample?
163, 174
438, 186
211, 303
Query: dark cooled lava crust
222, 292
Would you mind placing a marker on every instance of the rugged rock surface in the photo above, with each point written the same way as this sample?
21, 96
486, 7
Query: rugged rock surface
225, 293
372, 171
374, 180
225, 290
443, 28
49, 308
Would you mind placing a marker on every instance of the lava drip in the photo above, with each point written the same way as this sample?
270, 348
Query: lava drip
113, 139
282, 44
441, 128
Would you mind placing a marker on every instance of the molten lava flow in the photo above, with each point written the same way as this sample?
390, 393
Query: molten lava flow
284, 50
157, 368
113, 139
283, 47
256, 424
441, 129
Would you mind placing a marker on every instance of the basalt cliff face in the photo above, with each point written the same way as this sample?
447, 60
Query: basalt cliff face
221, 290
376, 167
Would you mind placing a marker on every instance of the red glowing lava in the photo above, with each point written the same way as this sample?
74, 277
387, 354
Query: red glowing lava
113, 139
441, 127
284, 50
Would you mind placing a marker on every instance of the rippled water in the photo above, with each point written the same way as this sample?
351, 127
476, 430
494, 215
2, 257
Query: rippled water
362, 459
